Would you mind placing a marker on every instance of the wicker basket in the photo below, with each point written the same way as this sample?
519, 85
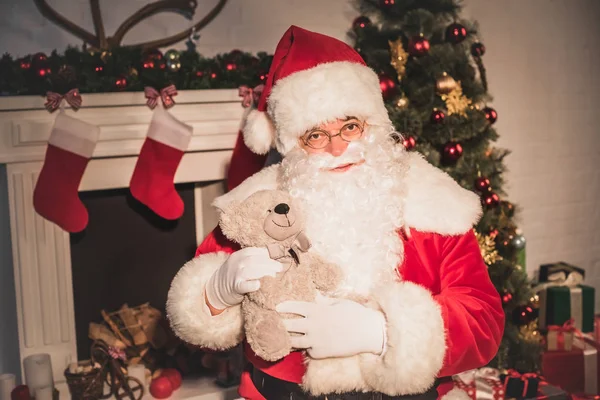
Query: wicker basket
86, 386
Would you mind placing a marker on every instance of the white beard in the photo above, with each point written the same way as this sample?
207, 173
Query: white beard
352, 217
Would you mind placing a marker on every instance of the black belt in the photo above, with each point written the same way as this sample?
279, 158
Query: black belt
272, 388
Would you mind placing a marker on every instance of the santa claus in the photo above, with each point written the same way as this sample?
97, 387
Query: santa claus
400, 229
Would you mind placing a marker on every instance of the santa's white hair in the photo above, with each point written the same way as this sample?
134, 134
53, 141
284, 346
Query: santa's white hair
353, 217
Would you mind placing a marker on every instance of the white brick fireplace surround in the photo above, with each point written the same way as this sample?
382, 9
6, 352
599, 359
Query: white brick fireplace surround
41, 250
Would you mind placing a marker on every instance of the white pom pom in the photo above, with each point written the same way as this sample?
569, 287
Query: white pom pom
259, 132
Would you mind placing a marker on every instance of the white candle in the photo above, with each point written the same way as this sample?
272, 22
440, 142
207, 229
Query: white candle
138, 371
38, 371
44, 393
7, 384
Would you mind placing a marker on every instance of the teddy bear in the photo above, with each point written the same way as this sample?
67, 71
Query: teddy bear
273, 219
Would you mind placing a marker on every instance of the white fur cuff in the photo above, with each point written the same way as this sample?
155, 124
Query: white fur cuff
187, 310
416, 342
456, 394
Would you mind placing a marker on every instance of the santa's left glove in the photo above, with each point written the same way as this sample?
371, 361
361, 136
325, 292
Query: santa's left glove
335, 327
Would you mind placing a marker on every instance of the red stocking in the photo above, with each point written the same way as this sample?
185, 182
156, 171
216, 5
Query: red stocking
56, 196
152, 180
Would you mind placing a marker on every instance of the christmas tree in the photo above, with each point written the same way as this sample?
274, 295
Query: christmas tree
430, 63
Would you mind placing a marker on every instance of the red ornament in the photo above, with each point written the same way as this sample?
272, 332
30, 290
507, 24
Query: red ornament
20, 392
160, 388
387, 3
25, 63
43, 72
477, 49
199, 74
437, 116
38, 58
263, 77
155, 55
523, 315
231, 66
213, 75
490, 200
361, 22
452, 152
161, 64
490, 114
418, 46
148, 64
482, 184
456, 33
388, 86
506, 297
409, 143
121, 82
173, 376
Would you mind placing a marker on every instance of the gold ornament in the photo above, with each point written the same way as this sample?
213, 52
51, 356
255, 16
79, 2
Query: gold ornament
487, 245
399, 57
104, 55
402, 102
530, 332
446, 84
456, 102
133, 72
535, 301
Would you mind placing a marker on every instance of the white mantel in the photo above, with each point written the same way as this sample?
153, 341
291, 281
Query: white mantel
41, 251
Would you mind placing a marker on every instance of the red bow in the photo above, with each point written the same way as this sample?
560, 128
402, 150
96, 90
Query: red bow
250, 96
568, 326
166, 95
117, 354
523, 377
53, 99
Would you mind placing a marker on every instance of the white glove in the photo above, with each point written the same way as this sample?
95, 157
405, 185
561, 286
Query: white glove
239, 275
336, 328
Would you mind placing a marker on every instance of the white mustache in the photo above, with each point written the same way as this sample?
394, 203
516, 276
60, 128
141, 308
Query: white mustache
353, 154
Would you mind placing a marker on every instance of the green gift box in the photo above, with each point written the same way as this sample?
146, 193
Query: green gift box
558, 304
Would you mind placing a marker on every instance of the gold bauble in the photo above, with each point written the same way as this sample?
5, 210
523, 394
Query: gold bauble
399, 57
446, 84
402, 102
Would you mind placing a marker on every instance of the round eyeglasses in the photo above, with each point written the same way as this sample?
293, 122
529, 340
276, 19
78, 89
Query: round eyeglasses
319, 139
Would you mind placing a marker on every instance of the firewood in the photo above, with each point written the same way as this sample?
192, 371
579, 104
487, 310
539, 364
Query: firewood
116, 330
101, 332
132, 325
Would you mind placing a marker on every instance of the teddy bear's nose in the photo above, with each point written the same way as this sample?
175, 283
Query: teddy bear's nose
282, 208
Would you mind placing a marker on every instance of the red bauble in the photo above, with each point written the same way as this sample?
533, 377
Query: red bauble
20, 392
361, 22
155, 55
409, 143
173, 376
523, 315
148, 64
418, 46
482, 184
231, 66
490, 200
38, 58
477, 49
43, 72
25, 63
121, 82
437, 116
213, 75
506, 297
388, 86
161, 388
263, 77
456, 33
386, 3
490, 114
452, 152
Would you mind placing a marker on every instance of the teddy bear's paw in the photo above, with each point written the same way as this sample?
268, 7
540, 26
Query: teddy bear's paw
272, 342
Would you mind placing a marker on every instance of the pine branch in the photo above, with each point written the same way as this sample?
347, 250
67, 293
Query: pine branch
52, 15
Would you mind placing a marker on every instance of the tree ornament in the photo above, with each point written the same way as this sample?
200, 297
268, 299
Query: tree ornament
263, 76
446, 84
121, 82
399, 57
506, 297
213, 75
477, 49
154, 54
98, 67
402, 102
523, 315
456, 102
487, 246
518, 241
452, 152
418, 46
530, 332
160, 388
456, 33
172, 55
361, 22
482, 184
173, 65
409, 143
388, 86
490, 200
386, 3
437, 116
39, 65
231, 66
38, 58
25, 63
490, 114
161, 64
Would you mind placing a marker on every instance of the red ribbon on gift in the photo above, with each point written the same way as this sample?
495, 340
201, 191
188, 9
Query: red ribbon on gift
579, 396
72, 97
249, 95
523, 377
166, 95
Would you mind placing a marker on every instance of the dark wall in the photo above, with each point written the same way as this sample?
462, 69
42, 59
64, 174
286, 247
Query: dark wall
127, 254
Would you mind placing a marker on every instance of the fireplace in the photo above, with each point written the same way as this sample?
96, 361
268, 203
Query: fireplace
44, 255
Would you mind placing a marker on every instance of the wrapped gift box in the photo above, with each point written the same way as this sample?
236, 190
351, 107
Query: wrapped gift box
480, 383
576, 371
561, 303
550, 392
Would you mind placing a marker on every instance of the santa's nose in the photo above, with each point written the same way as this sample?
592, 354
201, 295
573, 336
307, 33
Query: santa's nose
282, 208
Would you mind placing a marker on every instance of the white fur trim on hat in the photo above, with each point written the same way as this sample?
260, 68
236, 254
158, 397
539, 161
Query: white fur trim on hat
187, 310
259, 132
324, 93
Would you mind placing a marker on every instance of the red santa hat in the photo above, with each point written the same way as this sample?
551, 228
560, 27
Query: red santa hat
313, 79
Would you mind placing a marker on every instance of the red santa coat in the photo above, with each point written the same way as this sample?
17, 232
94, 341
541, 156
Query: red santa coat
445, 316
